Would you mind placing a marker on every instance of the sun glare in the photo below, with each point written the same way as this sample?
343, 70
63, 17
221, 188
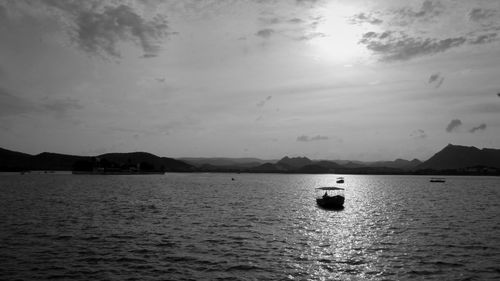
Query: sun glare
339, 40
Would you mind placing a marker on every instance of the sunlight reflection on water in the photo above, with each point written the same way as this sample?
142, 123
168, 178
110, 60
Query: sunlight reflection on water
257, 227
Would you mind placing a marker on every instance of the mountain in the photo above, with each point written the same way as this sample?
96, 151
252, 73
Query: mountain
54, 161
398, 164
225, 162
13, 160
153, 162
461, 157
294, 162
453, 159
17, 161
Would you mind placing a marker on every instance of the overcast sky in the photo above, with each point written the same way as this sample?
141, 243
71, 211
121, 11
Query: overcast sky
346, 79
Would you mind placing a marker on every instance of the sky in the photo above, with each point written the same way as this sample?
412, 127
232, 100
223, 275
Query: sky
346, 79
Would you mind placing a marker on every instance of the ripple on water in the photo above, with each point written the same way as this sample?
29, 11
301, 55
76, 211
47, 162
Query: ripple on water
259, 227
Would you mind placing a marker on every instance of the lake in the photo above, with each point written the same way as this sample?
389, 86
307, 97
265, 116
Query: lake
255, 227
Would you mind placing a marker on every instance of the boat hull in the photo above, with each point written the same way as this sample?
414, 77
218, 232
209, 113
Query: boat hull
331, 202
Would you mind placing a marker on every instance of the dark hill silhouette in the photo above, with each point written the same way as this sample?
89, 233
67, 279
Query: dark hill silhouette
13, 160
54, 161
453, 159
225, 162
156, 163
17, 161
294, 162
268, 168
460, 157
398, 164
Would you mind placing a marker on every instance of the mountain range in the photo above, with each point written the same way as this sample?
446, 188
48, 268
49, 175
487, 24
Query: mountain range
453, 159
18, 161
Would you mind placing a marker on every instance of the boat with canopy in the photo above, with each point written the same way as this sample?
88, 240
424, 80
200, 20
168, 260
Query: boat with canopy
332, 198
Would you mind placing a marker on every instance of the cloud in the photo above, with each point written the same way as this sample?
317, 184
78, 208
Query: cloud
418, 134
429, 9
273, 20
61, 106
310, 36
407, 34
13, 105
365, 18
305, 138
393, 46
436, 79
263, 102
484, 38
307, 2
296, 20
454, 124
265, 33
479, 14
97, 27
480, 127
101, 31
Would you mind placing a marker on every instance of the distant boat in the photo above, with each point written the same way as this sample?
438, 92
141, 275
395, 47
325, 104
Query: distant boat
437, 180
334, 200
340, 180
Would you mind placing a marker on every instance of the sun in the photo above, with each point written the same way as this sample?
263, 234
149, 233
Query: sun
339, 38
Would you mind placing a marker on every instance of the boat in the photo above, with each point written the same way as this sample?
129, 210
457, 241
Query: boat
334, 200
340, 180
437, 180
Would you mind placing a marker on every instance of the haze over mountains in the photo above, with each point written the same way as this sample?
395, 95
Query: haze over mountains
452, 158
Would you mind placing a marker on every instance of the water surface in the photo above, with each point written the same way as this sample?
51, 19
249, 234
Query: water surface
255, 227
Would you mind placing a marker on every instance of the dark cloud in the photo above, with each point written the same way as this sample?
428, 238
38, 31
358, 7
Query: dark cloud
61, 106
97, 27
307, 2
392, 46
273, 20
479, 14
265, 33
484, 38
150, 55
305, 138
436, 79
263, 102
365, 18
409, 42
418, 134
100, 32
310, 36
429, 9
13, 105
296, 20
454, 124
480, 127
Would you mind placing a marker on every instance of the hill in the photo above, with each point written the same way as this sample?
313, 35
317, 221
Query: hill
13, 160
17, 161
454, 157
225, 162
151, 161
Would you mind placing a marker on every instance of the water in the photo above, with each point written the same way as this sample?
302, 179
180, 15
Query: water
257, 227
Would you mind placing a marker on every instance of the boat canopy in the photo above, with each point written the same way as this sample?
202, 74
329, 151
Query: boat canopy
330, 188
